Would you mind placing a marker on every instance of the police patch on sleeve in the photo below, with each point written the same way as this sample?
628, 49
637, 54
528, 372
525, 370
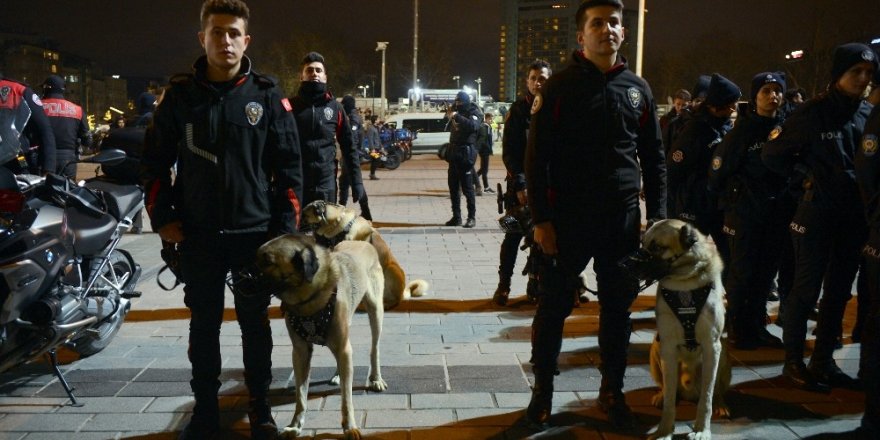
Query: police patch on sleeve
537, 103
677, 156
716, 163
286, 104
868, 55
328, 113
869, 144
635, 96
254, 112
775, 133
37, 100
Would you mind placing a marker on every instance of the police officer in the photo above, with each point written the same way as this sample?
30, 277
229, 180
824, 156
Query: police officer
867, 165
239, 181
690, 155
31, 149
513, 151
69, 126
322, 122
465, 119
585, 160
817, 144
357, 133
750, 194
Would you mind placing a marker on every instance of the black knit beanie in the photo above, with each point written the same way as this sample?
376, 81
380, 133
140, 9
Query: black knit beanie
764, 78
849, 54
722, 91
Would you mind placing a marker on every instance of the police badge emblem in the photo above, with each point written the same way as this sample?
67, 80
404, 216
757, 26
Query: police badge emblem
869, 145
868, 55
328, 113
635, 96
775, 133
536, 104
4, 93
254, 112
677, 156
716, 163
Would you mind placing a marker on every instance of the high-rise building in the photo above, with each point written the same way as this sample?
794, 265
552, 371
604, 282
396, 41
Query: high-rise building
545, 29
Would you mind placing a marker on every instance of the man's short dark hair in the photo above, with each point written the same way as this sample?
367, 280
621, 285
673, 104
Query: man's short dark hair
581, 15
682, 94
312, 57
235, 8
539, 64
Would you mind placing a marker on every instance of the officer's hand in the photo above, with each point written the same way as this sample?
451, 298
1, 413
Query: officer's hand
545, 237
357, 192
172, 232
521, 198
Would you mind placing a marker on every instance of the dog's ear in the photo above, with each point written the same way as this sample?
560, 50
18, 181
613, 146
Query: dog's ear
306, 262
687, 236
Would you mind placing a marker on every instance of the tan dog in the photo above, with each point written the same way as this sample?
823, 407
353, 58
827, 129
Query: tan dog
311, 277
336, 223
686, 366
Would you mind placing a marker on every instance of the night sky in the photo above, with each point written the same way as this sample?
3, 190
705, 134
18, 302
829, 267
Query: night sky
158, 37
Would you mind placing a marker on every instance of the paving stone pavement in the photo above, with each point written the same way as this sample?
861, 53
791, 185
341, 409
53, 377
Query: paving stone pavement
456, 365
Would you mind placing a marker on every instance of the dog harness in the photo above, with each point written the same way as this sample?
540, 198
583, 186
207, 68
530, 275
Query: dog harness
687, 306
314, 328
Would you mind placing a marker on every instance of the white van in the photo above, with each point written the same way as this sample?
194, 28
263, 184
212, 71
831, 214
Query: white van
430, 128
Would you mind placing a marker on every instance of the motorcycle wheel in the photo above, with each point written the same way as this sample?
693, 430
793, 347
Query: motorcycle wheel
117, 273
392, 161
407, 153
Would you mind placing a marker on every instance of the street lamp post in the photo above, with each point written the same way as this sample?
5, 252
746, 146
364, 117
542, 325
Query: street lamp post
382, 45
364, 89
457, 79
479, 82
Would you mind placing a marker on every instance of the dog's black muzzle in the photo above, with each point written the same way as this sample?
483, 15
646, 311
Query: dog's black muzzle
251, 282
645, 267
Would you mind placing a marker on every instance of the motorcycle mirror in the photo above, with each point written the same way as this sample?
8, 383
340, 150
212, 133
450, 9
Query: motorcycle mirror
109, 157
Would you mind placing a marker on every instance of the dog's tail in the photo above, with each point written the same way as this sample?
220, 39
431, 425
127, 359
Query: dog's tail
416, 288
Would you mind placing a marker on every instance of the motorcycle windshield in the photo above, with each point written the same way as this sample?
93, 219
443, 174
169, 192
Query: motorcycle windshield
13, 118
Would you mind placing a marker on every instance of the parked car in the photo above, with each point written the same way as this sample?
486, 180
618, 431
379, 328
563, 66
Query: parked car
430, 130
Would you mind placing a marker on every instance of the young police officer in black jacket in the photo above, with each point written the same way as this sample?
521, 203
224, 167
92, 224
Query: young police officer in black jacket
589, 125
867, 165
465, 119
751, 197
817, 144
69, 126
322, 122
513, 152
239, 182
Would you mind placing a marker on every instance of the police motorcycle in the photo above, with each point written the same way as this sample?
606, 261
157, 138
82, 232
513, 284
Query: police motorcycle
63, 279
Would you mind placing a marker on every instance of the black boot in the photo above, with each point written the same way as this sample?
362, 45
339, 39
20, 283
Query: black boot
829, 373
263, 426
501, 293
205, 421
613, 402
454, 221
538, 412
796, 372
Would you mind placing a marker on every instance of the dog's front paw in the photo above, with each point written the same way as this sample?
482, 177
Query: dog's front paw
660, 436
335, 380
378, 385
657, 400
352, 434
702, 435
290, 433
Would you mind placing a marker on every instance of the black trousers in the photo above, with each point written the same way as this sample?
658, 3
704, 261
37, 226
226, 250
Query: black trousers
870, 349
510, 244
65, 163
827, 245
206, 259
756, 243
483, 171
606, 238
319, 185
460, 178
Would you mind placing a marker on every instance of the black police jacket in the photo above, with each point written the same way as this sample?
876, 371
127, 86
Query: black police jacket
465, 124
867, 164
321, 122
688, 163
514, 140
818, 143
37, 132
738, 175
237, 154
68, 122
591, 135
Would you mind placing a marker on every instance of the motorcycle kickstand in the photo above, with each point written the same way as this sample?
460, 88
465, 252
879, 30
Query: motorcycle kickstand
53, 359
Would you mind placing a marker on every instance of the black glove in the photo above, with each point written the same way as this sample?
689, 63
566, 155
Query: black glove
357, 192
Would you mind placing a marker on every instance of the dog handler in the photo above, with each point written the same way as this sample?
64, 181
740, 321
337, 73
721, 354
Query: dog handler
589, 124
816, 145
239, 182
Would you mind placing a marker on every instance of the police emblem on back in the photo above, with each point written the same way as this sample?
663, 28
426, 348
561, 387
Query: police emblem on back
253, 111
635, 96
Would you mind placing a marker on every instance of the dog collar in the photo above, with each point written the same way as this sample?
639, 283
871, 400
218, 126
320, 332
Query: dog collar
313, 328
336, 239
687, 306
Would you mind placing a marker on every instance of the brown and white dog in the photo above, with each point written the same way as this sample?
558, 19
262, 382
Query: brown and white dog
689, 359
319, 291
334, 223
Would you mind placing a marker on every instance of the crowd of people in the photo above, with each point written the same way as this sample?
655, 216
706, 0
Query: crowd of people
789, 193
